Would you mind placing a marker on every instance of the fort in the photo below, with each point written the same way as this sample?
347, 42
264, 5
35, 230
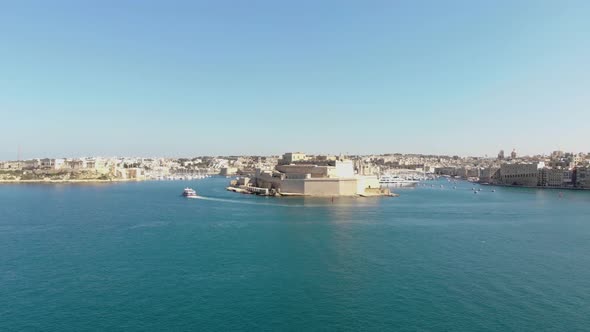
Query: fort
296, 174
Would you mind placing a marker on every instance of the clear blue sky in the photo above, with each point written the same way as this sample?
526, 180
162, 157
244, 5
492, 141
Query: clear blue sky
186, 78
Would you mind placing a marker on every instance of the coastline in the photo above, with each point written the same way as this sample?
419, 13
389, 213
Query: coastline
72, 181
532, 187
245, 191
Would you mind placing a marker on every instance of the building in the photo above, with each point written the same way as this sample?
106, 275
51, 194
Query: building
582, 177
362, 167
551, 177
132, 173
468, 172
449, 171
12, 165
227, 171
292, 157
429, 169
32, 164
75, 164
520, 174
558, 154
568, 177
50, 163
98, 165
513, 154
304, 176
489, 174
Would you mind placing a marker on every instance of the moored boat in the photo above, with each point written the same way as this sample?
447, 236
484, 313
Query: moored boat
397, 181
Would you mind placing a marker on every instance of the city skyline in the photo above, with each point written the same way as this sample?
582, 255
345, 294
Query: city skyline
506, 154
194, 79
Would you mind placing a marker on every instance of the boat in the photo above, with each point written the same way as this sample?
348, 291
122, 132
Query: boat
189, 192
397, 181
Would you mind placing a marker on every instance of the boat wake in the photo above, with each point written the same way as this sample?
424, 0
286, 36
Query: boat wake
237, 201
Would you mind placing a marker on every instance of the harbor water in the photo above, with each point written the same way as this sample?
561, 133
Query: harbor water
138, 256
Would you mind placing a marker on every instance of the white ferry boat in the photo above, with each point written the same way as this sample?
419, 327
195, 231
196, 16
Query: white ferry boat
397, 181
189, 192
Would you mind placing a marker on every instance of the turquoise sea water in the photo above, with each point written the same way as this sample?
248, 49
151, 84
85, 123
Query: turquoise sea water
137, 256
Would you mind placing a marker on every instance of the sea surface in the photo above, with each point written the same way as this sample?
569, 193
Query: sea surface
139, 257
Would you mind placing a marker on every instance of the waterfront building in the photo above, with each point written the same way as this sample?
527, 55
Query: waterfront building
449, 171
133, 173
520, 174
75, 164
428, 169
582, 177
309, 177
31, 164
227, 171
490, 174
12, 165
568, 177
98, 165
47, 163
468, 172
553, 177
50, 163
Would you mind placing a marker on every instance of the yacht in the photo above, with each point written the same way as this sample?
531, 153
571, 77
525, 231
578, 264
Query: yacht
189, 192
397, 181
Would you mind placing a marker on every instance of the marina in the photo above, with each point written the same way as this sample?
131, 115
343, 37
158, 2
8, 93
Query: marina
397, 181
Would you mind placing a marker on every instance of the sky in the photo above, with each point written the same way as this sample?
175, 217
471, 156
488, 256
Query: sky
193, 78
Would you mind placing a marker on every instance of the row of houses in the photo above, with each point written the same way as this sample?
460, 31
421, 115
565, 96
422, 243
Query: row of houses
152, 167
464, 171
531, 174
538, 175
91, 167
59, 164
